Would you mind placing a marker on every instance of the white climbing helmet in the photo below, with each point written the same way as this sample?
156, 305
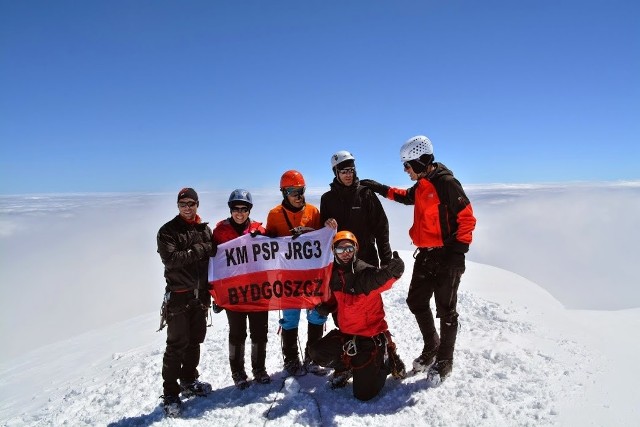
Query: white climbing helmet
415, 147
340, 157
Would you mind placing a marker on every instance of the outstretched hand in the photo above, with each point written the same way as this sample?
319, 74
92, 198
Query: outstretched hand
396, 265
331, 223
375, 186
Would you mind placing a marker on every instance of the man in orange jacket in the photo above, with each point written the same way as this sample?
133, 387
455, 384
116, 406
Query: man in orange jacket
291, 218
443, 224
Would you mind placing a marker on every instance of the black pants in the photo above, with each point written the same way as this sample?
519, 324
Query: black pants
258, 326
186, 330
367, 364
433, 278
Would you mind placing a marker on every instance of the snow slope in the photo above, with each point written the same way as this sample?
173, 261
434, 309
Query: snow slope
521, 359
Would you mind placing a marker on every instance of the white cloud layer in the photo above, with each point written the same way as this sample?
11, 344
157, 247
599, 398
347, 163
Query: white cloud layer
75, 262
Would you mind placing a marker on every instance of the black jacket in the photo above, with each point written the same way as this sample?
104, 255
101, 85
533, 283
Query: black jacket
185, 250
357, 209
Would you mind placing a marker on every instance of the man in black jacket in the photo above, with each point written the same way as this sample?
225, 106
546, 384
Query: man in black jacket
357, 209
185, 245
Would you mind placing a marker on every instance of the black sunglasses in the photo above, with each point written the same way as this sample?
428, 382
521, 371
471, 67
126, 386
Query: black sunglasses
241, 209
185, 204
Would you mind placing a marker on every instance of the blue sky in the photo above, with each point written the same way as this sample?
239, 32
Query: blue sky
157, 95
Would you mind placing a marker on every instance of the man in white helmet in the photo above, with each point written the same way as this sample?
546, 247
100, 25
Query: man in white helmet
357, 209
442, 231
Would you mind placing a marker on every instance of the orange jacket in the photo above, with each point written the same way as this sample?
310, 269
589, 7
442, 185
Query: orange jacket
278, 226
442, 214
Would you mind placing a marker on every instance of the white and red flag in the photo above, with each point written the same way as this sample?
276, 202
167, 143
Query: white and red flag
272, 273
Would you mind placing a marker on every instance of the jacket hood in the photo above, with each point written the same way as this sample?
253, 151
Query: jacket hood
440, 171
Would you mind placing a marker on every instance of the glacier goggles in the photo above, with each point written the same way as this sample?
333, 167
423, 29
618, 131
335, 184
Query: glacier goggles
342, 249
347, 171
293, 191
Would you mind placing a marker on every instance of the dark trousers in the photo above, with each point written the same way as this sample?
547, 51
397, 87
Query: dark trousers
186, 330
258, 326
366, 360
433, 278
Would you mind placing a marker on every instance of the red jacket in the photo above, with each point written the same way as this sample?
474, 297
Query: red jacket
442, 215
224, 231
356, 290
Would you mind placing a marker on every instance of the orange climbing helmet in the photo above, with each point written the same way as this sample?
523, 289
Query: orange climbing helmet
291, 178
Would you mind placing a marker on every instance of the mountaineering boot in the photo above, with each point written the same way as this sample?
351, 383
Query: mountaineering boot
258, 356
431, 342
236, 362
313, 335
339, 379
396, 365
439, 372
423, 362
290, 352
171, 405
240, 380
195, 388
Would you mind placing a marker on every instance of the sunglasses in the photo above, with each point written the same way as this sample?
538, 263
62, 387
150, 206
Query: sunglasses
241, 209
293, 191
187, 204
342, 249
406, 165
347, 171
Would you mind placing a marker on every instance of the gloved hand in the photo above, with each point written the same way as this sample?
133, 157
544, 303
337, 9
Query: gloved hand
204, 250
298, 231
324, 309
396, 265
216, 308
375, 186
199, 250
255, 233
454, 260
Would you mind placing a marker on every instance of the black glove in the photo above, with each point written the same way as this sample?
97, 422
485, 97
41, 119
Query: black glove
199, 250
454, 260
375, 186
216, 308
396, 265
324, 309
299, 230
204, 250
255, 233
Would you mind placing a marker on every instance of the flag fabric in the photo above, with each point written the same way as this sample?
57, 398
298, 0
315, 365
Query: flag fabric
272, 273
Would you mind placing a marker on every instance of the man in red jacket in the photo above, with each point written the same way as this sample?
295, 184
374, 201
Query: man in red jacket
443, 224
359, 347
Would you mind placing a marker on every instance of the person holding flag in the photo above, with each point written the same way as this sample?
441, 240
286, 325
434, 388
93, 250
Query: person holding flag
240, 203
293, 217
359, 347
